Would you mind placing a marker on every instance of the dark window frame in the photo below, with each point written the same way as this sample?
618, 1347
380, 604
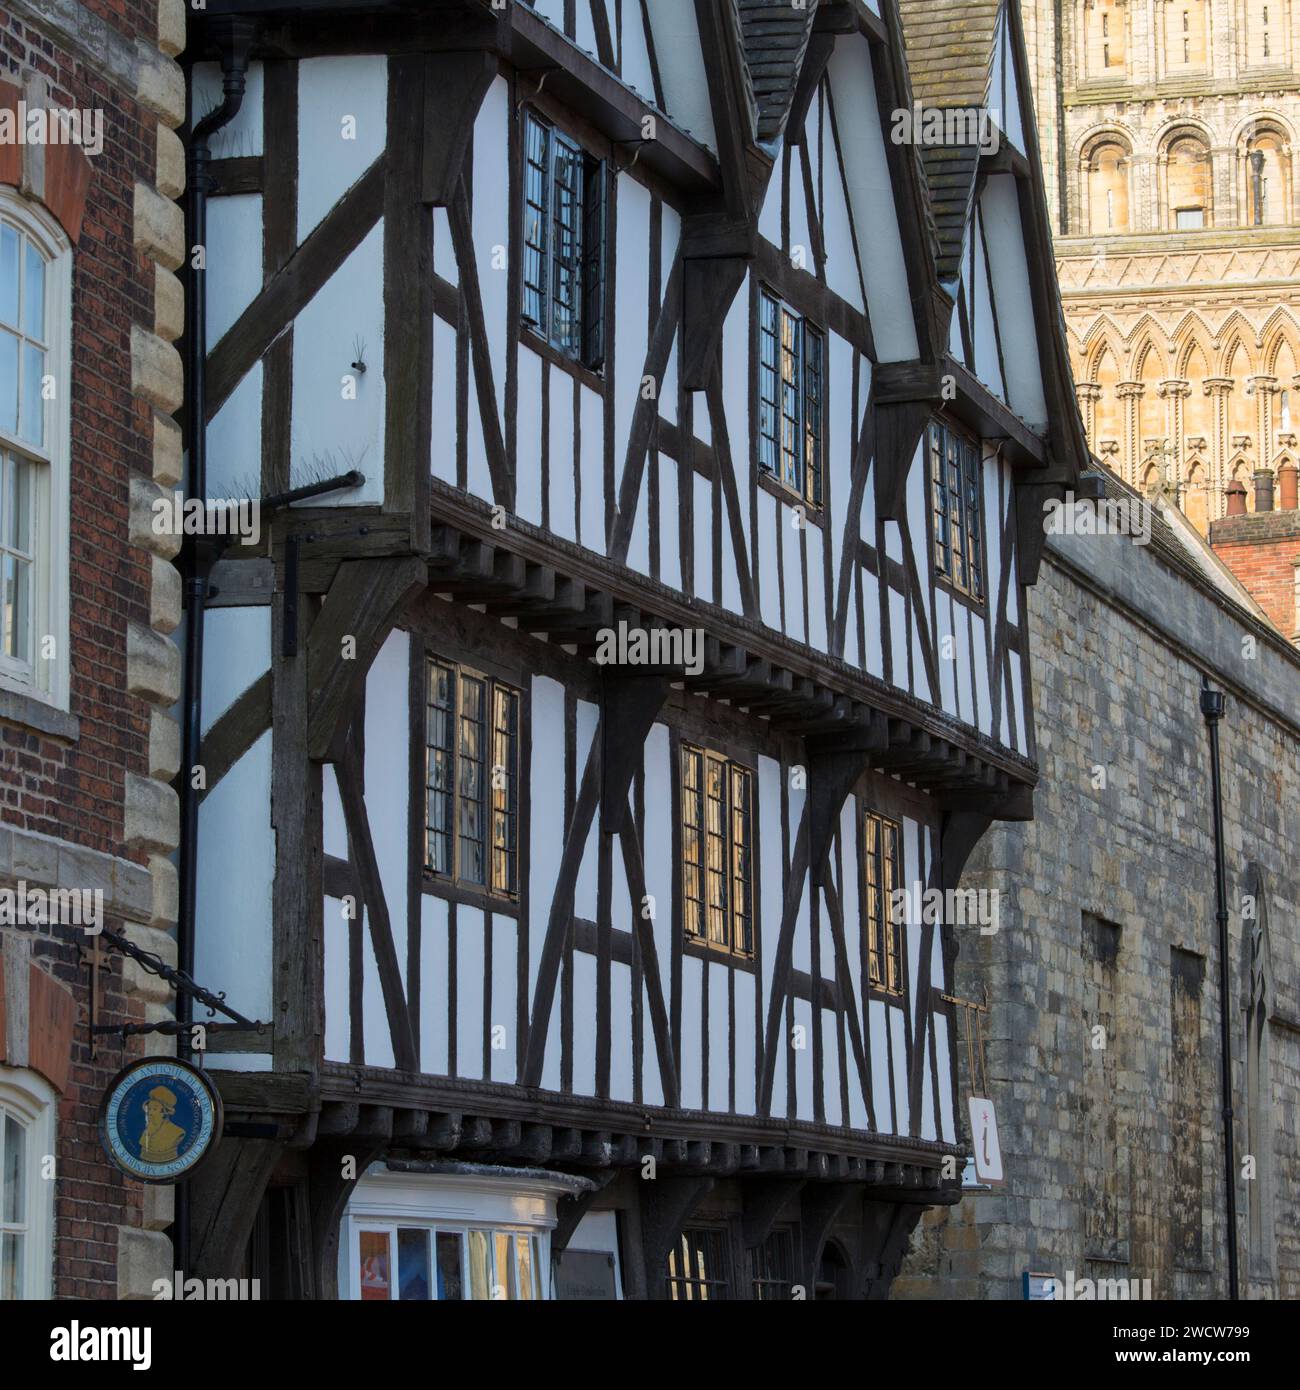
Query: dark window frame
688, 1270
498, 723
713, 921
773, 1268
565, 197
955, 487
791, 352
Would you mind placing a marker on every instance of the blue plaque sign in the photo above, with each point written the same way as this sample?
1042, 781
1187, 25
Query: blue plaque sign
159, 1119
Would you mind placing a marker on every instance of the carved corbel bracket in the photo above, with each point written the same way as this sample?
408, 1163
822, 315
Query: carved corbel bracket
455, 84
629, 706
907, 394
716, 255
835, 762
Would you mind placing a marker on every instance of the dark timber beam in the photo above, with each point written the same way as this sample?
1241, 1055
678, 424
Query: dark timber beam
819, 1206
235, 732
225, 1196
334, 1169
962, 831
709, 285
630, 703
570, 1210
666, 1204
288, 292
454, 87
1031, 525
764, 1200
835, 762
907, 394
362, 604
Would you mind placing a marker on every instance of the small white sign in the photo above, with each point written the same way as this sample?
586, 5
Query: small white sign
984, 1140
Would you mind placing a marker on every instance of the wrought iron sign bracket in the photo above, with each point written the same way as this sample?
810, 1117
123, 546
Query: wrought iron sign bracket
181, 982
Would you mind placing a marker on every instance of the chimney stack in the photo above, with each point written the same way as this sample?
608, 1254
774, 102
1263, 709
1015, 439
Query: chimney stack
1287, 477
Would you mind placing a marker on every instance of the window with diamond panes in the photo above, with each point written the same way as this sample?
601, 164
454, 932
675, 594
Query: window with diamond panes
956, 482
471, 779
717, 868
563, 297
881, 841
791, 397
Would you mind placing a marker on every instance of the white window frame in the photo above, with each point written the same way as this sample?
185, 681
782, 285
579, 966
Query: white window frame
48, 680
33, 1102
383, 1201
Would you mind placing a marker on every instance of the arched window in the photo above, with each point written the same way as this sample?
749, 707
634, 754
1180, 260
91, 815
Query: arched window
35, 323
1186, 36
1268, 180
27, 1107
1105, 47
1264, 30
1188, 176
1107, 172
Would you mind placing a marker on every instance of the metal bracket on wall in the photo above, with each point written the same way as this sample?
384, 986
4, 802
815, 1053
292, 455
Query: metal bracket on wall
293, 545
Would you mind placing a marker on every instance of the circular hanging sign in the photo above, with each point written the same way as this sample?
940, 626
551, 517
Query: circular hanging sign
159, 1119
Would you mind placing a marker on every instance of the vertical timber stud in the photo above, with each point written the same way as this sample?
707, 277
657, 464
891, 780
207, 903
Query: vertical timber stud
297, 905
408, 301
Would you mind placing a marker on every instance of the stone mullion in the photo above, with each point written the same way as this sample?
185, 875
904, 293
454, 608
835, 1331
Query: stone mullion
1266, 388
1089, 395
1130, 394
1219, 388
1175, 392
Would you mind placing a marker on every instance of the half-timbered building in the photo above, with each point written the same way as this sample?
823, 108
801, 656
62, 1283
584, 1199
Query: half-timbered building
677, 421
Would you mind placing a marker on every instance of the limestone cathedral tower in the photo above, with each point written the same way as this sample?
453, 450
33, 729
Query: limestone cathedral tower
1168, 129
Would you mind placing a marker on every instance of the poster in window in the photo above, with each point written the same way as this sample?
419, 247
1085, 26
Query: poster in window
375, 1266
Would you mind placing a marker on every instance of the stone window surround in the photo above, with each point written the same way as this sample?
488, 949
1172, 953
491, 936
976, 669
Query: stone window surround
50, 682
33, 1102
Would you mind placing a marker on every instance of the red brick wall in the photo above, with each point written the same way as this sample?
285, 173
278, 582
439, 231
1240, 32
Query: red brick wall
1263, 551
75, 791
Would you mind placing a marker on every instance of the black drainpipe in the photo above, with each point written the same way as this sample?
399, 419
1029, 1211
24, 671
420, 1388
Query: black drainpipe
199, 553
1212, 705
1062, 178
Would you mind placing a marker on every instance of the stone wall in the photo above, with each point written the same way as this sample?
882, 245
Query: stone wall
1109, 1173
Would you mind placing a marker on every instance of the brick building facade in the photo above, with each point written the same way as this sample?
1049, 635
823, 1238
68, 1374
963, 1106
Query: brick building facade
1263, 551
90, 235
1112, 1140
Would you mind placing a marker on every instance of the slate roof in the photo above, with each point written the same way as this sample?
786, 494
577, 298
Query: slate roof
774, 34
949, 55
